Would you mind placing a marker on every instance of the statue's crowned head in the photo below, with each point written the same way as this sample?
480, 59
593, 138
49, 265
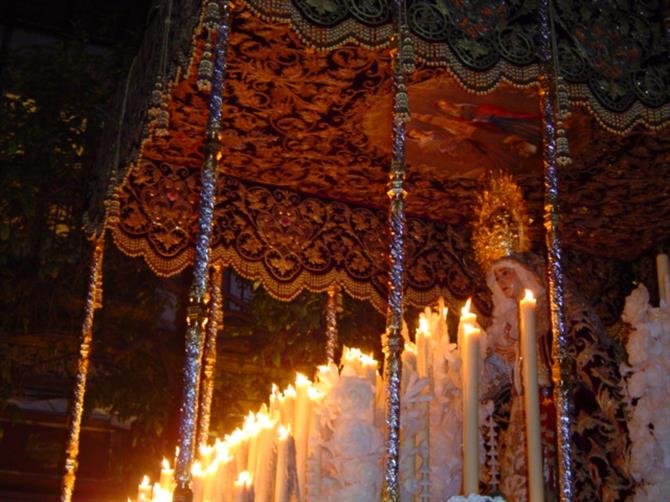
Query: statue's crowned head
501, 221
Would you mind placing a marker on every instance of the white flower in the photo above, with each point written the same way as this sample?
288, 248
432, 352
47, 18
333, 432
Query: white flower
636, 306
637, 348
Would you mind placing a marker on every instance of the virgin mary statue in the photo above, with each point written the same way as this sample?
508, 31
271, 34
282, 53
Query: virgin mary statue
599, 433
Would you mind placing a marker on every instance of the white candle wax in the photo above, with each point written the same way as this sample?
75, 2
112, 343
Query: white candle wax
287, 405
243, 488
224, 476
663, 274
167, 474
301, 428
470, 378
144, 490
423, 348
314, 442
265, 464
285, 444
531, 397
197, 478
252, 428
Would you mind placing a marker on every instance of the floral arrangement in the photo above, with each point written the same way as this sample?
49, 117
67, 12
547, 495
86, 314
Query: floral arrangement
648, 393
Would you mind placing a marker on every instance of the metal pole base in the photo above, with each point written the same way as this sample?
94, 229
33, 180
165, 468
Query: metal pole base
182, 494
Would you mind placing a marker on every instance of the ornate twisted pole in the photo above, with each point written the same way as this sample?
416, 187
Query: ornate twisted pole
196, 312
556, 154
334, 301
392, 341
214, 325
93, 302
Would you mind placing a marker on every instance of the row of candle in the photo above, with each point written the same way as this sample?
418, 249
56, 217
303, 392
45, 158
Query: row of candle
266, 458
469, 334
256, 461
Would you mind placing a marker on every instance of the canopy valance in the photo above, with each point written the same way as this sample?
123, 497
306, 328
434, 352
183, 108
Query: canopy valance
612, 55
311, 131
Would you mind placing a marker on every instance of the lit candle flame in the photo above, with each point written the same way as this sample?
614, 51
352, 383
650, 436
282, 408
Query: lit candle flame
289, 391
356, 355
284, 432
410, 347
244, 479
196, 469
165, 464
529, 297
145, 482
314, 394
301, 380
466, 308
423, 325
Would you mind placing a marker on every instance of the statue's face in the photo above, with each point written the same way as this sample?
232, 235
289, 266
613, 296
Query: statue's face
509, 282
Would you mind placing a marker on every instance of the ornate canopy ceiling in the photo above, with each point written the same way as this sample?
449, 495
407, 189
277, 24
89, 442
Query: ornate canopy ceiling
306, 150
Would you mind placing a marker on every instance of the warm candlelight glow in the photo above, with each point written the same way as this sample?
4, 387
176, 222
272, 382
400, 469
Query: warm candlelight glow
468, 330
165, 464
289, 391
145, 482
356, 355
263, 421
410, 347
301, 380
196, 469
423, 325
235, 437
314, 394
528, 297
466, 308
284, 432
244, 479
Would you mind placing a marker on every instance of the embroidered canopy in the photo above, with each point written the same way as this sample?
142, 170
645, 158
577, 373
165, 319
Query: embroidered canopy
306, 117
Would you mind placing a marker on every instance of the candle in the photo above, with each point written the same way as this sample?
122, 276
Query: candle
314, 442
243, 488
423, 348
144, 490
160, 495
301, 428
225, 474
287, 405
197, 476
265, 464
209, 482
239, 445
285, 448
663, 274
470, 378
252, 429
274, 400
166, 478
467, 319
531, 397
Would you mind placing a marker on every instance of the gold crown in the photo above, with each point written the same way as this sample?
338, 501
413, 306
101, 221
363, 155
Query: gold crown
501, 221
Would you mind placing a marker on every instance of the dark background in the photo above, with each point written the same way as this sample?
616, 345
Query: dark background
60, 63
